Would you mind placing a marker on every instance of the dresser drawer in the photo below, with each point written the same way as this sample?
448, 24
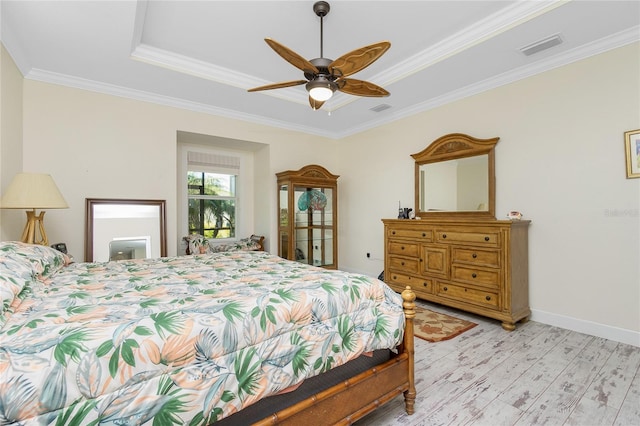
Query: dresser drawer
470, 295
405, 249
488, 238
421, 284
413, 234
404, 264
489, 258
484, 277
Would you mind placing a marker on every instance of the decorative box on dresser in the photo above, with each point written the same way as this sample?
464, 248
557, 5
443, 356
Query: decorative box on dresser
480, 266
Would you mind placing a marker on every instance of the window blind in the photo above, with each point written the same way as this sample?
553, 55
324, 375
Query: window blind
213, 163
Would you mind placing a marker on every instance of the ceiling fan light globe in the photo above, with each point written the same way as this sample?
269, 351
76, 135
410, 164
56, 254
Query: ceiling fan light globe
321, 93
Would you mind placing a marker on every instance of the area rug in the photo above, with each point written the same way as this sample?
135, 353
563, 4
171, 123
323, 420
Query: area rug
436, 327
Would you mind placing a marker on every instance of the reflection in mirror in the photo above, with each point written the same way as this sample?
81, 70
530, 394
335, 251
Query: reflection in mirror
130, 248
124, 229
455, 185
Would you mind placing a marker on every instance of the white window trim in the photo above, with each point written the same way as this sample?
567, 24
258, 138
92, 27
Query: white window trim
244, 187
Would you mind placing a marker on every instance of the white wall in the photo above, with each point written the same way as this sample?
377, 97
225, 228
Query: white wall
10, 135
560, 161
101, 146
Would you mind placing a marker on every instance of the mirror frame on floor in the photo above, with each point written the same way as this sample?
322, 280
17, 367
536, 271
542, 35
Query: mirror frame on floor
90, 205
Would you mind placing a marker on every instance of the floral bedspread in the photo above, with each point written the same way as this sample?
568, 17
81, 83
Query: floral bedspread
179, 340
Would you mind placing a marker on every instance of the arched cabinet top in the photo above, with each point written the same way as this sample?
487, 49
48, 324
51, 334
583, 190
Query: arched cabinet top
308, 173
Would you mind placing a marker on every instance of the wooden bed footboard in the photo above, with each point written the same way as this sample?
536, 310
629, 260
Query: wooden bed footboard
358, 396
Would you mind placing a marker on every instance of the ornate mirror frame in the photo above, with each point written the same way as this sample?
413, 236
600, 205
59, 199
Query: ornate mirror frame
450, 147
159, 247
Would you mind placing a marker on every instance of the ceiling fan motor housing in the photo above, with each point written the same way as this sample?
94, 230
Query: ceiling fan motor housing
322, 64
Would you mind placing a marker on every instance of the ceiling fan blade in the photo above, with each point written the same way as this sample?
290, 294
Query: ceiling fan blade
278, 85
361, 88
315, 104
358, 59
292, 57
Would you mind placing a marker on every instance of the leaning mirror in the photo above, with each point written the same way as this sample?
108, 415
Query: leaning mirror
454, 176
118, 229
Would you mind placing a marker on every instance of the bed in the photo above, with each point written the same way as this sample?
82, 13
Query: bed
195, 340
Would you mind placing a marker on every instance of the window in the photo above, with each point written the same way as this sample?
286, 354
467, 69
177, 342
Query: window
212, 204
231, 163
212, 194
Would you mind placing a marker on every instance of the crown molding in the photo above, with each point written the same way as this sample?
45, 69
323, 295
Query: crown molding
125, 92
603, 45
487, 28
620, 39
491, 26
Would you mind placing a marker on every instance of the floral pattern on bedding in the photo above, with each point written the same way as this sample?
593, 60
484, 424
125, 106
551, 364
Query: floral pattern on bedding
43, 260
14, 276
21, 264
182, 340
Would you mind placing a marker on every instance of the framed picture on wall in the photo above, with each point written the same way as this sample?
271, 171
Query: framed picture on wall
632, 148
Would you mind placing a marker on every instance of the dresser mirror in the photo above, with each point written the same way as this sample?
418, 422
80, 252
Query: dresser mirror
118, 229
455, 177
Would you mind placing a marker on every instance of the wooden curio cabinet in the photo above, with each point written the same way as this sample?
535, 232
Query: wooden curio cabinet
308, 216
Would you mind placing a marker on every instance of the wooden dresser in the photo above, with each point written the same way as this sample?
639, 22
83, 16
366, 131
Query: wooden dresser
477, 265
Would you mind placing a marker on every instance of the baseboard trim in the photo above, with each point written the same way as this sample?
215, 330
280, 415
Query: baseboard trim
617, 334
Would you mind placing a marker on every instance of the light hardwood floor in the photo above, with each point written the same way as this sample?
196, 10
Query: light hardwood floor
535, 375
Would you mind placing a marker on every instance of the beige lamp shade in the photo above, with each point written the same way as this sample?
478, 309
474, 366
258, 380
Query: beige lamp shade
33, 191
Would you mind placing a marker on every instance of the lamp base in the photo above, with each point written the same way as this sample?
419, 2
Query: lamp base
33, 222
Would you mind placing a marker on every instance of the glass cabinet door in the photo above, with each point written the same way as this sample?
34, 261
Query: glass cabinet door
283, 221
307, 219
313, 225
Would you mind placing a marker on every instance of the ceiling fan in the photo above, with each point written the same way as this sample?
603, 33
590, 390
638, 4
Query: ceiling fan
324, 76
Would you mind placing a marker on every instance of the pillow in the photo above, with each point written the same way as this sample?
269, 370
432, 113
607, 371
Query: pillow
196, 244
44, 260
14, 276
242, 244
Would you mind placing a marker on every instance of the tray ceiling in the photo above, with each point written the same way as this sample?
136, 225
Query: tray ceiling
204, 55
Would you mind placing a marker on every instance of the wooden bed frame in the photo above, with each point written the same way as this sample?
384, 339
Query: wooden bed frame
358, 396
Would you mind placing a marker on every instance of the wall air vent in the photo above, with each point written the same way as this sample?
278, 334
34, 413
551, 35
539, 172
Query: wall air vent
541, 45
380, 107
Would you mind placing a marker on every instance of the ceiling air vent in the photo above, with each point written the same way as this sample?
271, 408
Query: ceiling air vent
380, 107
541, 45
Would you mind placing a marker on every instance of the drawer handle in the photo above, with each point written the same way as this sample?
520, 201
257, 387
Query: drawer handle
424, 235
425, 284
474, 275
402, 263
445, 289
395, 277
486, 238
488, 298
402, 248
474, 255
444, 235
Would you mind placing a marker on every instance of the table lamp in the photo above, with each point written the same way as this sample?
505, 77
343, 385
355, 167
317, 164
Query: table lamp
33, 191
